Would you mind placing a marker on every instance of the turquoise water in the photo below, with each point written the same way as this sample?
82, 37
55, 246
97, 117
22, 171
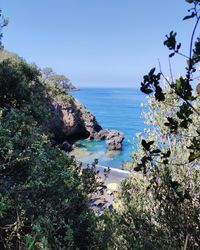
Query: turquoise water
114, 109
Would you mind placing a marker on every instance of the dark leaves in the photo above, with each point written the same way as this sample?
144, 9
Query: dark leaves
171, 43
195, 149
145, 90
172, 124
165, 156
189, 16
147, 145
172, 54
189, 1
159, 95
196, 52
187, 195
184, 114
174, 184
156, 151
138, 167
184, 89
198, 88
193, 156
179, 191
151, 84
142, 165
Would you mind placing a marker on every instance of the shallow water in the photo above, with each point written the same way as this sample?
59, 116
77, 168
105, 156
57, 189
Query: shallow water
114, 109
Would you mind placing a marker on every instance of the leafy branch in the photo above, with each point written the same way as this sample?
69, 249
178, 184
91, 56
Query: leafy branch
181, 87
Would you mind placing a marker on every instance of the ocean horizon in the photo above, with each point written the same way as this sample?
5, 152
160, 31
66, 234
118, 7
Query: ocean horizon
114, 109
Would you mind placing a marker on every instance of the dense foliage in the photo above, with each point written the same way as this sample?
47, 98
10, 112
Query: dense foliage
56, 84
43, 193
158, 208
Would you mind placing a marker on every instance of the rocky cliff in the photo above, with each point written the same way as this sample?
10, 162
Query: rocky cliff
75, 122
72, 121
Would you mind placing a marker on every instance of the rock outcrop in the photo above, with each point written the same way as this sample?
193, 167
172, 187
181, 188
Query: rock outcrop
75, 122
71, 87
114, 140
101, 135
66, 146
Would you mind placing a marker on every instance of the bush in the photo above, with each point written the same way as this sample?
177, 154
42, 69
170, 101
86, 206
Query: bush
158, 207
43, 193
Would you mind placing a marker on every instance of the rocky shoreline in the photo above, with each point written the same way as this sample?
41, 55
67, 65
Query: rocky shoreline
74, 122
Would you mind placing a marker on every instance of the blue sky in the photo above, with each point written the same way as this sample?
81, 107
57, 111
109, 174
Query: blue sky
107, 43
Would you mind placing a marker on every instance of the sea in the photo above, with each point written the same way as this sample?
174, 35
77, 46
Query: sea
114, 108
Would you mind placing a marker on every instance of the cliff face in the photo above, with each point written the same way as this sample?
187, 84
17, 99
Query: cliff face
71, 120
75, 122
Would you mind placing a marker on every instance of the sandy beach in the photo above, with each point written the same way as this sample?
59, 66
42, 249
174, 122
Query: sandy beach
112, 182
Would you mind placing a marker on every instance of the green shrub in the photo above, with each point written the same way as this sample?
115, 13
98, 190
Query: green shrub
158, 207
43, 193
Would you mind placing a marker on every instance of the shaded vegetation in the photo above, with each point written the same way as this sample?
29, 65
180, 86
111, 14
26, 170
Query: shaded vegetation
43, 193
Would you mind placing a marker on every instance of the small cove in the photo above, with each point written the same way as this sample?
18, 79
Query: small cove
114, 108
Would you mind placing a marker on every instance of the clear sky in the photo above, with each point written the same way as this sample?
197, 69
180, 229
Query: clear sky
96, 42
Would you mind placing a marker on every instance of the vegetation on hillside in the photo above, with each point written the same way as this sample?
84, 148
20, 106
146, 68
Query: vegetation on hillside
159, 207
44, 195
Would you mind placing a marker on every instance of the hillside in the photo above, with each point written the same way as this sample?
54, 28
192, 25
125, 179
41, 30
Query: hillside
43, 193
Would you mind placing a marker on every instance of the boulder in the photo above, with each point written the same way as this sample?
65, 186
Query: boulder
114, 140
66, 146
101, 135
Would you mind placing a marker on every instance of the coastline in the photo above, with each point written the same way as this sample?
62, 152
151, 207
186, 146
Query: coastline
114, 173
115, 109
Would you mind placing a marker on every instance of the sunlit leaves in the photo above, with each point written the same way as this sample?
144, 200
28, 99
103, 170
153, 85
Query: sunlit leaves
170, 164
